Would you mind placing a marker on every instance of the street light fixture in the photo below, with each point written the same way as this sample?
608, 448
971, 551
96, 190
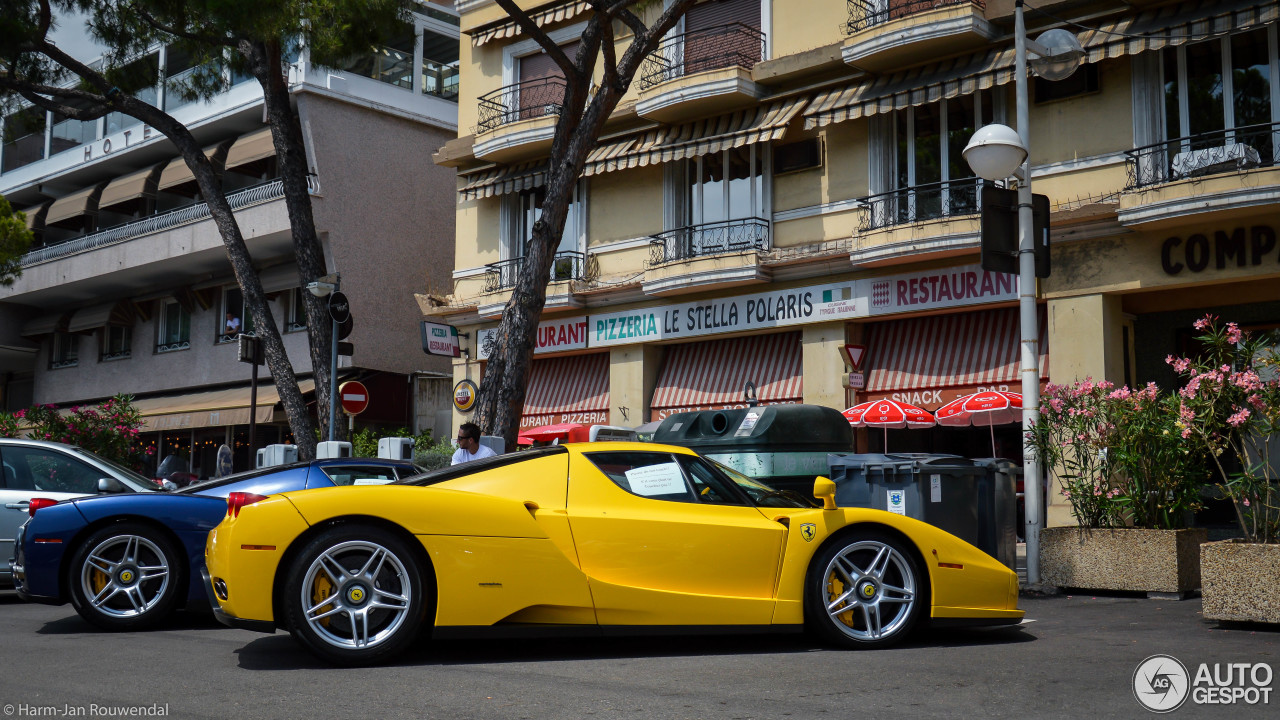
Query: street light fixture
997, 152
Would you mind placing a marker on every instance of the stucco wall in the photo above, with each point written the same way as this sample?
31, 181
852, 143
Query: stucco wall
1069, 129
624, 205
388, 213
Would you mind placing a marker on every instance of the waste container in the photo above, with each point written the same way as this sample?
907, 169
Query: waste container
785, 446
971, 499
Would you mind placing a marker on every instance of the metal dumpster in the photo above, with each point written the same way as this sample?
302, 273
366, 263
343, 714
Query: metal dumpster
785, 446
968, 498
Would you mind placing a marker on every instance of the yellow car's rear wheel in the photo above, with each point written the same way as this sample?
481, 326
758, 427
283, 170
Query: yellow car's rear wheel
865, 589
355, 595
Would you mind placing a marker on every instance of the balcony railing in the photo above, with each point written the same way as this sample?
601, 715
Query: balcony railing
869, 13
566, 265
266, 192
723, 46
1230, 150
174, 346
522, 101
919, 203
709, 239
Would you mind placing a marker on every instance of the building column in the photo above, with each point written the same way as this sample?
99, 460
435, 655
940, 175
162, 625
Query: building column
822, 364
1086, 339
633, 373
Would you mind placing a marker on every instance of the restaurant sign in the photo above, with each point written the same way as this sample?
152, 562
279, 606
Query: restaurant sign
553, 336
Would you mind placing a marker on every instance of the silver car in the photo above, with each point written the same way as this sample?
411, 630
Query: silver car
34, 468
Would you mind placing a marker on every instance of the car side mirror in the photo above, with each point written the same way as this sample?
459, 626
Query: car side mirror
110, 485
825, 490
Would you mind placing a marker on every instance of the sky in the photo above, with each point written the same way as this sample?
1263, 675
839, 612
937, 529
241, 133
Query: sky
71, 35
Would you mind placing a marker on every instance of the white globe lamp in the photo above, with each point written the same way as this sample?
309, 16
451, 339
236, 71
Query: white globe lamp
1064, 54
995, 152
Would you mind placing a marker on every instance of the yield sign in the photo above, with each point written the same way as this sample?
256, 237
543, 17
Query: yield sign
853, 355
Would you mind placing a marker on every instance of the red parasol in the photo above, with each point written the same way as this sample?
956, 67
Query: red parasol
888, 414
989, 408
558, 431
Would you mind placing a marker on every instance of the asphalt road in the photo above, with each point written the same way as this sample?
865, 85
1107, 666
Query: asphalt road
1077, 659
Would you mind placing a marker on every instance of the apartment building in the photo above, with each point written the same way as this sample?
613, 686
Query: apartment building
128, 288
785, 178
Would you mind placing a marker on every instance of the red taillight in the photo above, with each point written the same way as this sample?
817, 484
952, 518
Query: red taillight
37, 503
237, 500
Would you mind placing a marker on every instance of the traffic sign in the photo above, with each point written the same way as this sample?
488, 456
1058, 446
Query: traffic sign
853, 355
339, 308
354, 397
344, 327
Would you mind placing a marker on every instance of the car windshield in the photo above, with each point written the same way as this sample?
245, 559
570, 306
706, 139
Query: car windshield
760, 493
132, 479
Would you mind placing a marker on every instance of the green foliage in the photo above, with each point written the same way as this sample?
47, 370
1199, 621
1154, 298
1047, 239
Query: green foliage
427, 454
15, 241
108, 429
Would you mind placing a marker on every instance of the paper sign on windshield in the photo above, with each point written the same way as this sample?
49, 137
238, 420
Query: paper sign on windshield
662, 479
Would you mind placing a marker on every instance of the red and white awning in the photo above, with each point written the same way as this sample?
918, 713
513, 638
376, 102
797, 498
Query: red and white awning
712, 374
961, 350
568, 390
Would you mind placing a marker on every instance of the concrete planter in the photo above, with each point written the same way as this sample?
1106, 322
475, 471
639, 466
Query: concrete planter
1158, 562
1240, 581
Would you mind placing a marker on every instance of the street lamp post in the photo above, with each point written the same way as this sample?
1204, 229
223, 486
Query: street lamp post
994, 153
325, 287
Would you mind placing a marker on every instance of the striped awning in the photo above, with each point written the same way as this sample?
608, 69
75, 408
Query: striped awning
666, 144
568, 390
510, 28
975, 348
1150, 30
712, 374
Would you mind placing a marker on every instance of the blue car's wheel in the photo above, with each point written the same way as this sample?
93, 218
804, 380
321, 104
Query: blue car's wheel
864, 590
125, 577
355, 595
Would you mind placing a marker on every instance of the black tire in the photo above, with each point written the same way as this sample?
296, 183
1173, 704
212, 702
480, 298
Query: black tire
865, 590
364, 572
126, 576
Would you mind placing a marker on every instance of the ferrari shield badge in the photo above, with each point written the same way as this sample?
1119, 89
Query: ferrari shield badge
808, 531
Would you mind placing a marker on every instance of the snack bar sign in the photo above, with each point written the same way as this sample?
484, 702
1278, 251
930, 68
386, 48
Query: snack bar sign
553, 336
779, 308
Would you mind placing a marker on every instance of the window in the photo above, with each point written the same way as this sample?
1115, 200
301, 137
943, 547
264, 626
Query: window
117, 342
1081, 82
439, 65
68, 133
179, 67
296, 317
175, 328
802, 155
359, 474
725, 186
391, 63
524, 210
65, 351
661, 476
140, 78
23, 138
1218, 99
48, 470
233, 320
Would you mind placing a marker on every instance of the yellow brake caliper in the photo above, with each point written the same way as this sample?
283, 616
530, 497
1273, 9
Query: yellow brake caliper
835, 589
99, 580
321, 589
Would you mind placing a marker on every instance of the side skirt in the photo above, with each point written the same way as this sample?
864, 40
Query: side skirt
514, 631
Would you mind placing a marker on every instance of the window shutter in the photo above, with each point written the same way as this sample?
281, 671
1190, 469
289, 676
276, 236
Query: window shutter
722, 12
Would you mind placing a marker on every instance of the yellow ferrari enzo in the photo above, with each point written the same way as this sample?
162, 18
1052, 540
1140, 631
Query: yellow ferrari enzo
587, 538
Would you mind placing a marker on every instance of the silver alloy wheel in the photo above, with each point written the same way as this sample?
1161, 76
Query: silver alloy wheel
124, 576
870, 590
356, 595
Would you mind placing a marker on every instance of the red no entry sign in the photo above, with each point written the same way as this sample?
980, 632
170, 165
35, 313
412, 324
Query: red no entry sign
354, 397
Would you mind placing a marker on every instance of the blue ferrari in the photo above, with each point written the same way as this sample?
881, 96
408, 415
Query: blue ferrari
127, 561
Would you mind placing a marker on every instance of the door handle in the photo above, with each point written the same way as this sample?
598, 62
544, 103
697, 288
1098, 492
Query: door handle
23, 505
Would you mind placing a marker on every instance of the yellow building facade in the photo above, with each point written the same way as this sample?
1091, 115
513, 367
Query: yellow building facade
784, 179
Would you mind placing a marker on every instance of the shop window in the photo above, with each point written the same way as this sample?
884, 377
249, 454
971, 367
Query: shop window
234, 318
23, 138
141, 79
117, 343
174, 332
64, 352
296, 314
1218, 100
439, 65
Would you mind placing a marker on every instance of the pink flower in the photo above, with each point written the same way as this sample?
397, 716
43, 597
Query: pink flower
1233, 333
1205, 322
1239, 418
20, 414
1122, 394
1186, 433
1246, 502
1257, 401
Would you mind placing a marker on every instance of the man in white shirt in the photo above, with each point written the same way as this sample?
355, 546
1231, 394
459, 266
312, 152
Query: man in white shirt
469, 447
233, 325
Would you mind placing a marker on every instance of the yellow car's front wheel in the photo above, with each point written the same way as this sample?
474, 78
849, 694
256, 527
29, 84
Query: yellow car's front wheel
355, 595
865, 589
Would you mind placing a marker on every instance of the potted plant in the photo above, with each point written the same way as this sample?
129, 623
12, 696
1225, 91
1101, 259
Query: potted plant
1132, 482
1230, 406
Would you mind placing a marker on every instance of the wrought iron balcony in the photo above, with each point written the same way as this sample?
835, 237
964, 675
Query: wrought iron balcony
864, 14
521, 101
566, 265
918, 203
714, 48
1230, 150
694, 241
164, 347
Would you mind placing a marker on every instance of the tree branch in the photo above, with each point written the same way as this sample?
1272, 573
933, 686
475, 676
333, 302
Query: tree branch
527, 24
193, 37
36, 97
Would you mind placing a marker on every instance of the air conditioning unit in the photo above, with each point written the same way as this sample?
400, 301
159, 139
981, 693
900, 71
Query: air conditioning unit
273, 455
333, 449
395, 448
